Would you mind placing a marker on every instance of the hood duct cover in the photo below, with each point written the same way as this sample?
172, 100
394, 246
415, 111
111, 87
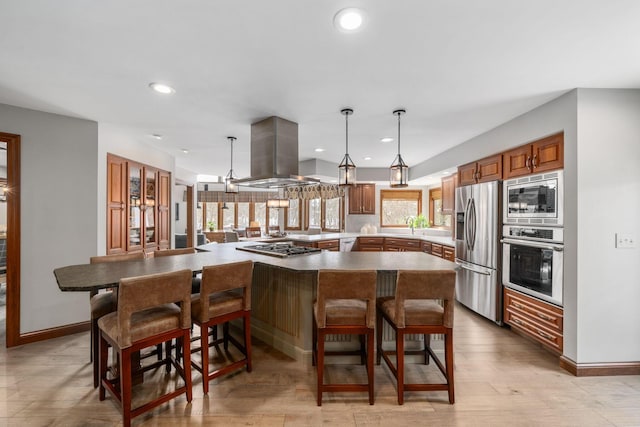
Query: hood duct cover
274, 155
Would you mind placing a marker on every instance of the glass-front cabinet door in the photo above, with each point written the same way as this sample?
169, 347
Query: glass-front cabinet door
136, 205
150, 198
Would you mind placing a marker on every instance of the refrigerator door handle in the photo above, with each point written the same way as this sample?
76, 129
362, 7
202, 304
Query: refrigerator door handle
472, 211
473, 269
466, 225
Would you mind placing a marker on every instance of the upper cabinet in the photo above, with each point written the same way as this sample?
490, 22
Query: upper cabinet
362, 199
539, 156
138, 207
449, 194
487, 169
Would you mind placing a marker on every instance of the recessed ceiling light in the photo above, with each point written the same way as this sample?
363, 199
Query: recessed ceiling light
349, 20
366, 158
162, 88
156, 136
319, 150
386, 139
185, 151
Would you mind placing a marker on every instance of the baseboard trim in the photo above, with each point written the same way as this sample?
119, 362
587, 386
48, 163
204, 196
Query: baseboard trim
60, 331
599, 369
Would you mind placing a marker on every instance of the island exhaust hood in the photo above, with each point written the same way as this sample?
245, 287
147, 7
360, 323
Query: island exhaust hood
274, 155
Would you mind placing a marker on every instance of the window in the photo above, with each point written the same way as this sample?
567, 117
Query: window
292, 215
244, 213
398, 205
274, 217
435, 207
261, 214
325, 213
332, 214
229, 216
208, 216
314, 212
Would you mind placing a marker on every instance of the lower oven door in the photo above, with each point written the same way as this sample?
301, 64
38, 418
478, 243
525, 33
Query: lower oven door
479, 289
534, 268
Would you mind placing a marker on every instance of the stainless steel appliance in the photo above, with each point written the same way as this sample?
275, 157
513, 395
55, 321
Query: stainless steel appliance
534, 199
477, 234
282, 249
532, 261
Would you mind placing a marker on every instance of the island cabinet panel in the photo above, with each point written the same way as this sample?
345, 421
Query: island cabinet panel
401, 245
540, 156
534, 318
370, 244
485, 170
362, 199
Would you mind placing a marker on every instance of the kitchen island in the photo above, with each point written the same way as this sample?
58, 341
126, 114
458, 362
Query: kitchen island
283, 288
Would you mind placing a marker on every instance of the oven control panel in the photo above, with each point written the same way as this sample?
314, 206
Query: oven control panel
542, 234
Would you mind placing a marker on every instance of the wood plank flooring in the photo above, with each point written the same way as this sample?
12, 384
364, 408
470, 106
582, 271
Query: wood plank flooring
501, 379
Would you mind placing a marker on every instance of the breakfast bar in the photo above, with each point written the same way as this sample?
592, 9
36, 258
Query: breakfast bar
283, 287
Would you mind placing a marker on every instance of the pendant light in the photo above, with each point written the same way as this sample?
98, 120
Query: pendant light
230, 187
398, 171
347, 169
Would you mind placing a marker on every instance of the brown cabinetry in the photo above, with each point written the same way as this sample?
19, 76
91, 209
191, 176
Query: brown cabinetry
534, 318
487, 169
362, 199
331, 245
436, 249
138, 207
426, 247
448, 253
449, 194
539, 156
402, 245
370, 244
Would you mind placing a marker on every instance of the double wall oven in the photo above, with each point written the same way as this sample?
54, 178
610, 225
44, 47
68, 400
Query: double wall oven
533, 237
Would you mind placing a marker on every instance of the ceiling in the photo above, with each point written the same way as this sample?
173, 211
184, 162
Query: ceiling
459, 68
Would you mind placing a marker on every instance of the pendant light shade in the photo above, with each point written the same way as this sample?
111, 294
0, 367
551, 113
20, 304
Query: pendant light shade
347, 169
398, 171
230, 187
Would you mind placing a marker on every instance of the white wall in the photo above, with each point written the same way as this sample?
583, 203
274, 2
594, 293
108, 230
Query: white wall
608, 202
179, 225
58, 211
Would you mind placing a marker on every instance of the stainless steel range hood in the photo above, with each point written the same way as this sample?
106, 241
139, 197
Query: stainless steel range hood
274, 155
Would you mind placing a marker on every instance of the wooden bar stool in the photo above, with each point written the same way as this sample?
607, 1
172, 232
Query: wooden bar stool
225, 295
415, 310
345, 305
253, 232
195, 281
104, 303
147, 315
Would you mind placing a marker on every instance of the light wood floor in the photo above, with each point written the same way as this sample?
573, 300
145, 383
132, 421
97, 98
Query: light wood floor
501, 380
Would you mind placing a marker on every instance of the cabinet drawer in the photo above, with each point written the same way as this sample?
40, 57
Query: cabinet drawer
541, 312
303, 244
541, 334
436, 249
333, 245
371, 240
426, 247
448, 253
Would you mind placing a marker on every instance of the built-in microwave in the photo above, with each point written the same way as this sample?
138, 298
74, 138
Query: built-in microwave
534, 199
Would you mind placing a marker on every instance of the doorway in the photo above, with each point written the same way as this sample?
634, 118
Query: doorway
10, 230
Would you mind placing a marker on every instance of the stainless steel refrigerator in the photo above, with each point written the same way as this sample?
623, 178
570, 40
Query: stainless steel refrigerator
477, 234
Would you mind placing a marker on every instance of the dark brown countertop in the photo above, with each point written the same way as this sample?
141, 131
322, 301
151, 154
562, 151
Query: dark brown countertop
88, 277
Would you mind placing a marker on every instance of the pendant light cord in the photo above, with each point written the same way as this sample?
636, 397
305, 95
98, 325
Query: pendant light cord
346, 118
399, 113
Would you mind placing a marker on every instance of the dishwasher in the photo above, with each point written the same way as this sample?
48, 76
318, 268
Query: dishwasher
346, 244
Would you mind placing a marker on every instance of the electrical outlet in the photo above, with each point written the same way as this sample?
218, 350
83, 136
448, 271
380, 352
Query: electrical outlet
625, 241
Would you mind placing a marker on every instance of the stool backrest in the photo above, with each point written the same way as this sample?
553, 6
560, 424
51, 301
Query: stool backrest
253, 232
225, 277
230, 236
136, 294
171, 252
434, 285
116, 257
344, 284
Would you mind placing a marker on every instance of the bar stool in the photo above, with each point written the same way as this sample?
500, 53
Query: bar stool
104, 303
414, 310
345, 305
147, 315
195, 281
225, 295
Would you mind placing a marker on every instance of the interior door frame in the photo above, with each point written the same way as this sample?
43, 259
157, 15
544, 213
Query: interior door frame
191, 232
13, 337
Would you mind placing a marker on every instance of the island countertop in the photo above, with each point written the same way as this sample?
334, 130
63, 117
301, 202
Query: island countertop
88, 277
443, 240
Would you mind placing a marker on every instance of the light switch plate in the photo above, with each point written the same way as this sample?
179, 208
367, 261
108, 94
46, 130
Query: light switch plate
625, 241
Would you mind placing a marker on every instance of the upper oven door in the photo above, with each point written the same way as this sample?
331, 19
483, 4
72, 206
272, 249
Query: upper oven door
536, 199
534, 268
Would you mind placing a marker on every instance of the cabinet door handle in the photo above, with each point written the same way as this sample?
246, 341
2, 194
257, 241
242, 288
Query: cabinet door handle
534, 163
516, 305
545, 317
527, 163
516, 321
544, 335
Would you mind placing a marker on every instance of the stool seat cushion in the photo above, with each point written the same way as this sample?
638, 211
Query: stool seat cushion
144, 324
102, 304
344, 312
418, 312
220, 303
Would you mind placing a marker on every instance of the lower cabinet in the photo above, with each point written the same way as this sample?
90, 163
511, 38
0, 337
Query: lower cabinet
331, 245
370, 244
534, 318
400, 244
